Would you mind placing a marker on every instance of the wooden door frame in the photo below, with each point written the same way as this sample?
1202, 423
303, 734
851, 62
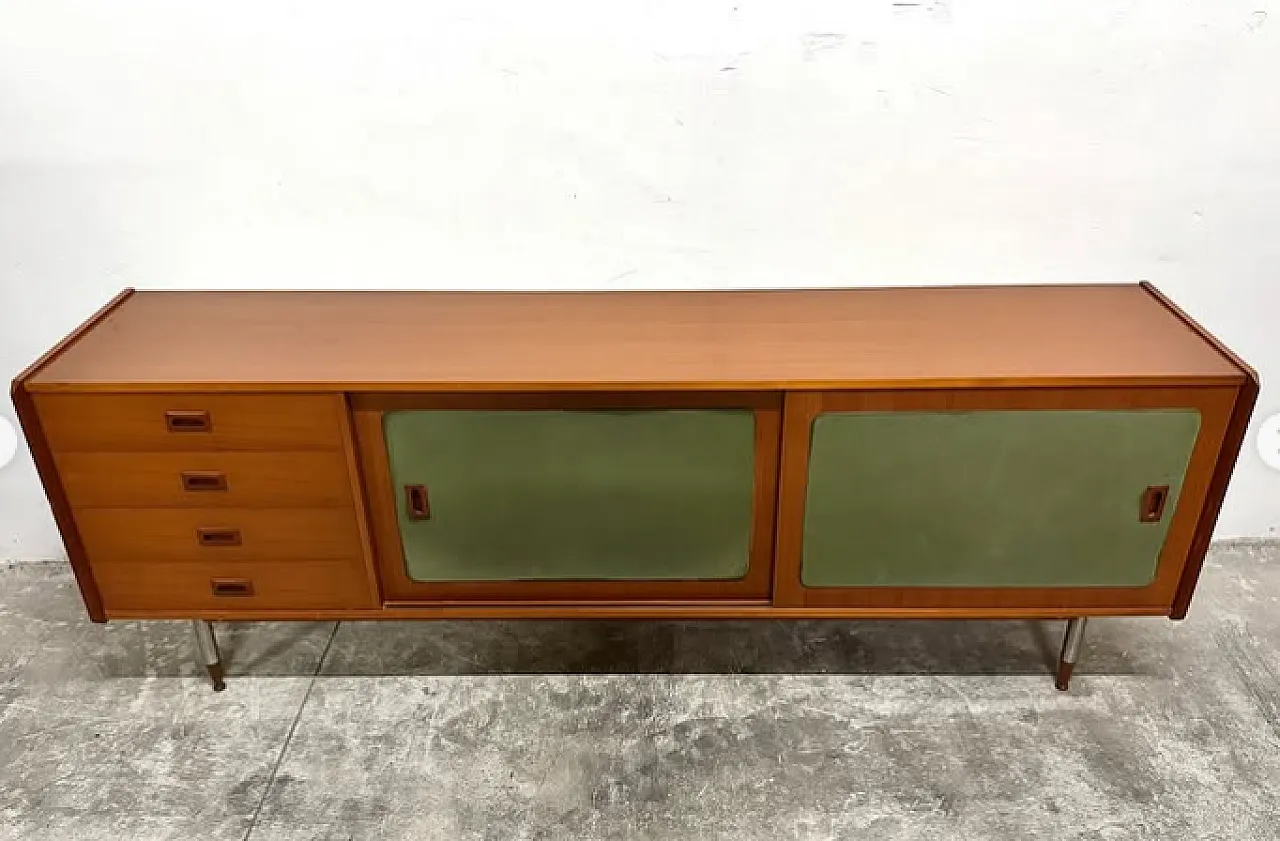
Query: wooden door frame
1215, 404
382, 500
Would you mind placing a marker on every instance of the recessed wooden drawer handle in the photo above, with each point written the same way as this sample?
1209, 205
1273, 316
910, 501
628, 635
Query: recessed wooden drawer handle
231, 587
416, 502
1154, 499
188, 421
218, 537
203, 480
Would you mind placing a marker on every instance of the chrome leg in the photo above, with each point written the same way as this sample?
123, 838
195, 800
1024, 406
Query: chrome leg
1070, 652
207, 651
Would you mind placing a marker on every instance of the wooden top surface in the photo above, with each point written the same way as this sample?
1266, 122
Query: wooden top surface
511, 341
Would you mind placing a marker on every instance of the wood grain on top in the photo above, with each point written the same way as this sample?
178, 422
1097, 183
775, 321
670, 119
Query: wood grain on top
935, 336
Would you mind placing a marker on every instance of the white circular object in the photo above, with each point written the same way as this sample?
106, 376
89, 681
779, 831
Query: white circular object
1269, 442
8, 442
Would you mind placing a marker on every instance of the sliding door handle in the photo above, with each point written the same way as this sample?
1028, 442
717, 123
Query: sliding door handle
1154, 500
415, 497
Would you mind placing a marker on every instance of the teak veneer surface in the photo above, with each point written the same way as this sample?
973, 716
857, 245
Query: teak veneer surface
713, 340
94, 408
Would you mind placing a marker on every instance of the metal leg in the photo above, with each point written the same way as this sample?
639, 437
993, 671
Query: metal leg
207, 650
1070, 652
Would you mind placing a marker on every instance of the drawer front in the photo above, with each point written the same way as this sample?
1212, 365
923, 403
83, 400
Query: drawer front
316, 479
190, 422
129, 535
231, 586
993, 498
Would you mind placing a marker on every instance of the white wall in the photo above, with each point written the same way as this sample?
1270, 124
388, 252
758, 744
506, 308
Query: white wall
663, 143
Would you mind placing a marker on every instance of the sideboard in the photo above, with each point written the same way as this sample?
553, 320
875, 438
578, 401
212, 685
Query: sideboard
992, 452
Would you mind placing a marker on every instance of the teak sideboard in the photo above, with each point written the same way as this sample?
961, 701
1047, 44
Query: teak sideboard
1052, 452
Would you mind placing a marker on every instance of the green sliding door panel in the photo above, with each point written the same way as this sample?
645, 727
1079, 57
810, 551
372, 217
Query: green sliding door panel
990, 498
555, 495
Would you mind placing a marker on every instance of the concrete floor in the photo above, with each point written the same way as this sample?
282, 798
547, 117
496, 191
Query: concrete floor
560, 730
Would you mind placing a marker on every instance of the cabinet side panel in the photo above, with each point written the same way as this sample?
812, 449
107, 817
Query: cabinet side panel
47, 470
1238, 428
62, 513
1232, 443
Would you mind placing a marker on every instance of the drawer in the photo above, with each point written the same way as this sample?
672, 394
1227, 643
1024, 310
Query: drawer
186, 422
315, 479
125, 535
232, 586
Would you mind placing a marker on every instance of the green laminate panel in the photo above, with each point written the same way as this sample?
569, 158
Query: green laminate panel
990, 499
545, 495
